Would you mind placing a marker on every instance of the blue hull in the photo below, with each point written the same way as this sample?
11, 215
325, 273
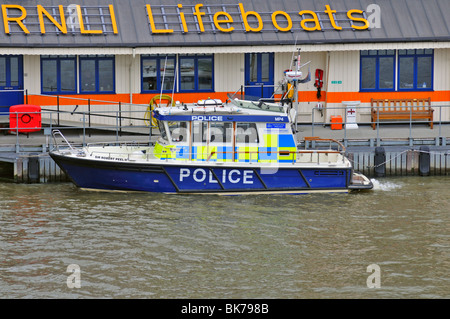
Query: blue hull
200, 179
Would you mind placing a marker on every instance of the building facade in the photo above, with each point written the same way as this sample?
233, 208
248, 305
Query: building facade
80, 54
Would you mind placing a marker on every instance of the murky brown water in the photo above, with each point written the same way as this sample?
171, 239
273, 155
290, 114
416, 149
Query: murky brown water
169, 246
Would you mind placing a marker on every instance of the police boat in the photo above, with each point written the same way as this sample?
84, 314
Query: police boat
210, 147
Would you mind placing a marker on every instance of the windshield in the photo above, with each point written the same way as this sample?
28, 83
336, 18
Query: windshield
162, 130
179, 131
246, 133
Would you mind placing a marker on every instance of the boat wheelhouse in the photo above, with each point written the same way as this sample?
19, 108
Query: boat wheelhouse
210, 131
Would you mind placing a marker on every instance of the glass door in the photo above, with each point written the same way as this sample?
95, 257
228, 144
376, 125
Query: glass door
11, 81
259, 75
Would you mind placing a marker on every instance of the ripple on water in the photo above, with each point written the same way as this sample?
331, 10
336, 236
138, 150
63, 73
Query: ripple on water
159, 246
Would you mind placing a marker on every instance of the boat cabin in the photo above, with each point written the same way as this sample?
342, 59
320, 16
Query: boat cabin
243, 131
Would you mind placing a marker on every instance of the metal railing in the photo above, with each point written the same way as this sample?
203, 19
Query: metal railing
67, 117
129, 120
401, 129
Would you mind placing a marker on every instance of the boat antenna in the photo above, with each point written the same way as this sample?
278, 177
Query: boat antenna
293, 52
174, 83
163, 78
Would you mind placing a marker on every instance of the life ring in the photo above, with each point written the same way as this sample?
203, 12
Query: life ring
155, 102
25, 118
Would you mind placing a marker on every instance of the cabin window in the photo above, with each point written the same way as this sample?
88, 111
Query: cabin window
221, 132
179, 132
162, 130
246, 133
199, 132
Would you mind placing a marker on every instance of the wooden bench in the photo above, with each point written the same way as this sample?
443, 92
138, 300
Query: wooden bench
401, 109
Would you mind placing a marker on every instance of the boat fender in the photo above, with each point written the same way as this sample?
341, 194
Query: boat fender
33, 168
380, 162
424, 161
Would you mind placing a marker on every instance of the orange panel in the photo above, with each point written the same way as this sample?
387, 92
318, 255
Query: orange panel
336, 122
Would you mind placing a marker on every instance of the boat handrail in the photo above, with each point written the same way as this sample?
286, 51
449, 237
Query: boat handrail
58, 132
118, 143
285, 153
331, 140
164, 155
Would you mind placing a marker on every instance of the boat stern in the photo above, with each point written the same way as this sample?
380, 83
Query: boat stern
360, 182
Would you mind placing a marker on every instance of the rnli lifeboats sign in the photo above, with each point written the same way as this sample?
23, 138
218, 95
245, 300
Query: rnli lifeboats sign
169, 19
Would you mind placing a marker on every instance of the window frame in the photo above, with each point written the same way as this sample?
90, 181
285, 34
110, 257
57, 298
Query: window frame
58, 59
377, 58
159, 59
197, 57
415, 56
97, 59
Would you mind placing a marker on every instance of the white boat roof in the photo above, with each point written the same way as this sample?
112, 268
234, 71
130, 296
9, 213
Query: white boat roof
215, 110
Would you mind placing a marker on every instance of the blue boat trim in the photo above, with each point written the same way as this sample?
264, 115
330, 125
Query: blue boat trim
237, 180
223, 118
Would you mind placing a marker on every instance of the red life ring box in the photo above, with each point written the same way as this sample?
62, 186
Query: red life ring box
25, 118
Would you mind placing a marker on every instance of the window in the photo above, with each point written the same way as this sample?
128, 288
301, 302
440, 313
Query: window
157, 70
246, 133
162, 130
200, 132
220, 132
415, 69
58, 74
2, 71
97, 74
196, 73
179, 132
377, 70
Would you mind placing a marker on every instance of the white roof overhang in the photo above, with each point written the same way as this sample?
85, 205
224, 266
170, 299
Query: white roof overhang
225, 49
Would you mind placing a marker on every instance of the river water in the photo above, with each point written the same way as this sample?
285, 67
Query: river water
134, 245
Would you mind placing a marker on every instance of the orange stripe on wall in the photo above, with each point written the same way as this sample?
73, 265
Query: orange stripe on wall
188, 98
364, 97
81, 99
104, 99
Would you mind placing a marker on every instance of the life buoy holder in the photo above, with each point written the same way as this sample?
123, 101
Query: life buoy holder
155, 102
319, 82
